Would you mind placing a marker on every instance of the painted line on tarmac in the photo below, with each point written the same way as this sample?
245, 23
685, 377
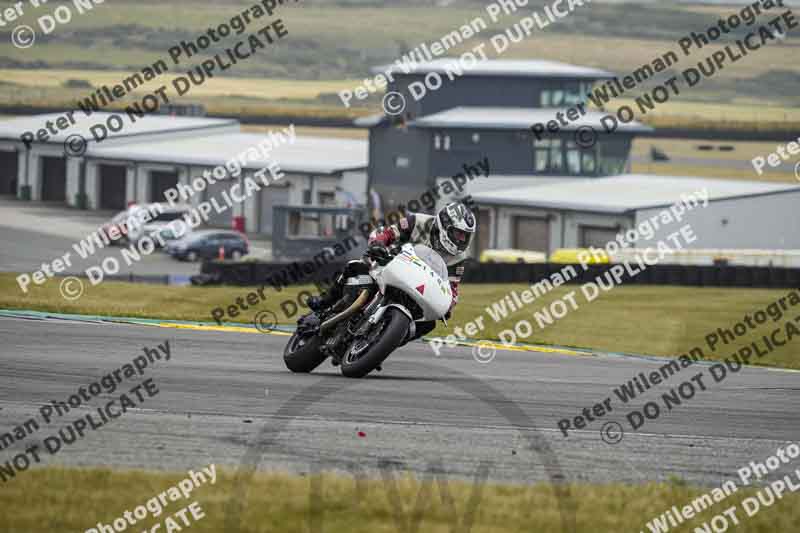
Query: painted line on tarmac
246, 328
175, 324
518, 347
287, 331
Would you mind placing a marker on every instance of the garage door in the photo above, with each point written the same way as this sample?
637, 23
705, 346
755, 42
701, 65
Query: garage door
270, 197
597, 237
8, 172
214, 190
54, 179
112, 186
160, 182
532, 234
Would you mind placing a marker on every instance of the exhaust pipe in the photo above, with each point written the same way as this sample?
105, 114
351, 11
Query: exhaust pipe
347, 313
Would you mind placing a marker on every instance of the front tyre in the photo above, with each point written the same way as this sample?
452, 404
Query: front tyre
368, 352
302, 353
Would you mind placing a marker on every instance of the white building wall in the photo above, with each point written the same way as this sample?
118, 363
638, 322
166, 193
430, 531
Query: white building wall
22, 170
251, 205
761, 222
143, 171
92, 185
130, 184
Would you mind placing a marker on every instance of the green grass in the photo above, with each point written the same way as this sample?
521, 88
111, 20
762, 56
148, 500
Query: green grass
65, 499
653, 320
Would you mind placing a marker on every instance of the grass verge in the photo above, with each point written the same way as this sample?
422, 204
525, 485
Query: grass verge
66, 499
655, 320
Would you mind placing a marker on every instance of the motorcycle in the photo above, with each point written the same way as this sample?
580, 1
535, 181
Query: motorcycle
382, 300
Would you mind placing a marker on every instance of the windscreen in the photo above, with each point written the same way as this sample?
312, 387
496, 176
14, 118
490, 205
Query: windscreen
432, 259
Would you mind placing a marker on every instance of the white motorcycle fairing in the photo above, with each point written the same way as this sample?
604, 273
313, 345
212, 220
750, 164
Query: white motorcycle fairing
420, 273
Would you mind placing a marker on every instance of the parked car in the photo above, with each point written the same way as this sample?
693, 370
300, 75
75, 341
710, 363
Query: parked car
206, 244
167, 213
116, 229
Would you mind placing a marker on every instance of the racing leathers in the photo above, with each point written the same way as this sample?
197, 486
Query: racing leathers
415, 228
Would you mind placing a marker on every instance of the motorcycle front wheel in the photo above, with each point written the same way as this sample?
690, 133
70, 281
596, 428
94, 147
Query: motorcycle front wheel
368, 352
302, 353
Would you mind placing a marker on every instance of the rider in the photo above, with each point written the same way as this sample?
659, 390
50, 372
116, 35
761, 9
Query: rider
449, 233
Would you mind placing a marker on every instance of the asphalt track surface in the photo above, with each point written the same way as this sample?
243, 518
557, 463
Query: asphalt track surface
226, 398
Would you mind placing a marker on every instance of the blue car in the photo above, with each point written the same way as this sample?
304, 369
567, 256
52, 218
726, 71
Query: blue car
206, 244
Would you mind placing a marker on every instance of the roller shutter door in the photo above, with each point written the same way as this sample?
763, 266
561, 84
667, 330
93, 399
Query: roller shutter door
270, 197
112, 186
160, 182
9, 172
54, 179
532, 233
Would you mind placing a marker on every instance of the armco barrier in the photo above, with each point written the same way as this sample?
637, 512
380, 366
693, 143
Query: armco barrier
687, 275
257, 273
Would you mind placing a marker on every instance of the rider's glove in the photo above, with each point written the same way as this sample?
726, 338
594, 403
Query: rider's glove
384, 236
454, 291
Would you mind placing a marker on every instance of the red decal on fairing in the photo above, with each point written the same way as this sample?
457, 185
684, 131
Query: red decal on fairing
421, 289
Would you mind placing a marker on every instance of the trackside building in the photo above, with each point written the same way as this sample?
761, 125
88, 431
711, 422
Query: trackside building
583, 213
43, 168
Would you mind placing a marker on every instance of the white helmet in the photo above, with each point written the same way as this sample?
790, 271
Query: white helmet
456, 225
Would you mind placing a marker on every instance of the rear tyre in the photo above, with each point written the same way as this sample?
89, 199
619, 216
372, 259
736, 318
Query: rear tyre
302, 353
366, 354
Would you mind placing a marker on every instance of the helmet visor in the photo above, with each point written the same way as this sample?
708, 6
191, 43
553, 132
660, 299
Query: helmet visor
459, 237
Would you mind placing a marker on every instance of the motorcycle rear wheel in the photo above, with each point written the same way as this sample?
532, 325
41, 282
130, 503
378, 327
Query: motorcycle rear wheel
363, 356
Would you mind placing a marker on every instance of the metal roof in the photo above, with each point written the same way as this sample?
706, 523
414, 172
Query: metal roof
517, 118
625, 193
307, 154
149, 124
496, 182
498, 67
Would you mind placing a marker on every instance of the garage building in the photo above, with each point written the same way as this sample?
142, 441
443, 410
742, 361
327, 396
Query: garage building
47, 170
318, 172
591, 212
